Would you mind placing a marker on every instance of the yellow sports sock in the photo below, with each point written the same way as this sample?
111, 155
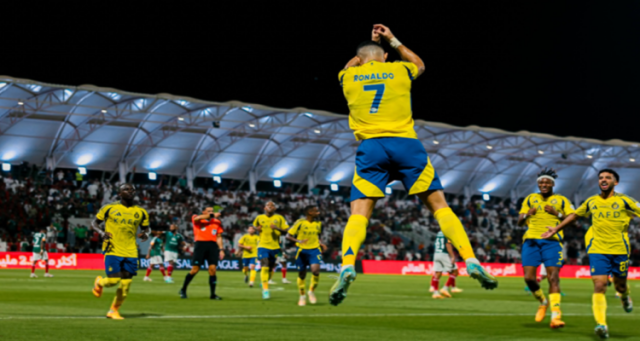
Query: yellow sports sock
314, 283
264, 277
245, 270
554, 300
301, 286
252, 276
108, 282
600, 309
271, 273
453, 230
354, 235
539, 295
121, 293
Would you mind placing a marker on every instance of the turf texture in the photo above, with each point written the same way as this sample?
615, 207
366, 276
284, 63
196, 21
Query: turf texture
377, 308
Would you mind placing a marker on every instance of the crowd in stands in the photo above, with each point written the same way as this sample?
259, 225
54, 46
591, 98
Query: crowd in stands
400, 228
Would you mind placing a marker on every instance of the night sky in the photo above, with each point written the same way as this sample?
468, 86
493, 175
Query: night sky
569, 70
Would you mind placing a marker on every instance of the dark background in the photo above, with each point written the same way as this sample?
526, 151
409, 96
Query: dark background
564, 68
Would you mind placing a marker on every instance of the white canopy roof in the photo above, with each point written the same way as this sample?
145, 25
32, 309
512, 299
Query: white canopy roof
102, 127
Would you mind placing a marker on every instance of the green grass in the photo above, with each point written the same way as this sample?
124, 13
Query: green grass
378, 308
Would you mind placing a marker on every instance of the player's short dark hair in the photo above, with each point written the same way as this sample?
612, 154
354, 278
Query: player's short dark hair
308, 208
549, 172
368, 43
125, 184
609, 170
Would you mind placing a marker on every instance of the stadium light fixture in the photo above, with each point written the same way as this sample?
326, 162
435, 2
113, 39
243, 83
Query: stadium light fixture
277, 183
540, 152
334, 187
180, 118
489, 147
436, 142
317, 131
252, 125
104, 111
217, 178
632, 160
308, 114
388, 190
84, 159
486, 196
153, 176
6, 167
247, 109
20, 103
589, 156
82, 170
220, 168
8, 155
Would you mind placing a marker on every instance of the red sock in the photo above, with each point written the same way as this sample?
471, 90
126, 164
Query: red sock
451, 282
435, 283
33, 268
149, 270
46, 267
169, 270
162, 271
539, 279
284, 272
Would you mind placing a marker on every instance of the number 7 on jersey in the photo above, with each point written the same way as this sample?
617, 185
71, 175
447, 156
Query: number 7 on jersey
379, 89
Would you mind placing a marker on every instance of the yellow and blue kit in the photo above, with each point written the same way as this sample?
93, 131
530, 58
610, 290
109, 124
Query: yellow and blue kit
379, 99
535, 249
249, 256
308, 252
269, 245
608, 245
122, 222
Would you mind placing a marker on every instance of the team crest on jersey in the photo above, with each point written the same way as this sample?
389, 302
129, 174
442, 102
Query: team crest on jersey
137, 215
110, 269
593, 269
615, 206
554, 201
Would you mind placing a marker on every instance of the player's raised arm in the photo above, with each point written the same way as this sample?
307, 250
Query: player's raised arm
405, 53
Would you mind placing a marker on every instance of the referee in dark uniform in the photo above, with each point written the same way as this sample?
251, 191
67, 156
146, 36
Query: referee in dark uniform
207, 230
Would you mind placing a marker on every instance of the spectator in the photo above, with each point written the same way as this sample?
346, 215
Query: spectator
81, 232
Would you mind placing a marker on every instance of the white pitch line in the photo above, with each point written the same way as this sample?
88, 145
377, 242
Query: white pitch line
171, 317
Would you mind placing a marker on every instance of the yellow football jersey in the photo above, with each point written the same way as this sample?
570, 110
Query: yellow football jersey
379, 98
609, 223
269, 237
537, 223
249, 240
122, 222
309, 231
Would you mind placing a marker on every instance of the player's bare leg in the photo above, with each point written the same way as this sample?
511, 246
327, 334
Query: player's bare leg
553, 277
353, 237
623, 289
454, 231
315, 279
534, 287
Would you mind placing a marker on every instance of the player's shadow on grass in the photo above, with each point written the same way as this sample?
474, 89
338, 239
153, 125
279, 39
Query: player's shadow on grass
138, 316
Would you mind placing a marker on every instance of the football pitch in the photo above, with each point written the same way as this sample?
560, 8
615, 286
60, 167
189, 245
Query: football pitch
378, 308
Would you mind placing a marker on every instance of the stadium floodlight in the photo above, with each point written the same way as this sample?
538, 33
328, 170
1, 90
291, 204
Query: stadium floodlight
82, 170
252, 125
486, 196
153, 176
540, 152
20, 103
489, 147
334, 187
277, 183
388, 190
247, 109
180, 118
632, 160
104, 111
6, 167
217, 178
308, 114
317, 131
436, 142
589, 156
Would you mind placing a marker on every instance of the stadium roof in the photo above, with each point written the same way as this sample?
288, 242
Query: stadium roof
101, 128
